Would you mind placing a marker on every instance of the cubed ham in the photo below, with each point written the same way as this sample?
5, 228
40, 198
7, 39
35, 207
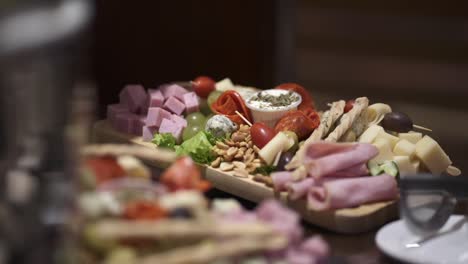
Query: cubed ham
156, 98
163, 87
114, 109
174, 90
125, 122
191, 102
134, 97
169, 126
179, 120
138, 125
148, 133
174, 105
156, 115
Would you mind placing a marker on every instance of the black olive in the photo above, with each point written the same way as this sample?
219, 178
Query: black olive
284, 159
397, 122
181, 213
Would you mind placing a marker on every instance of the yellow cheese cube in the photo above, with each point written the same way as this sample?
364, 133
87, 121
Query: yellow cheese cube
412, 137
390, 138
432, 155
370, 134
385, 150
405, 166
404, 148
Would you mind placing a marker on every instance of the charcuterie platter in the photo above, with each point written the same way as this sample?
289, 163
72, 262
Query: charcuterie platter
338, 167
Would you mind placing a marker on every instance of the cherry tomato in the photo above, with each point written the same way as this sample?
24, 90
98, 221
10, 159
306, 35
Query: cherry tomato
261, 134
349, 105
184, 175
306, 98
203, 86
298, 122
104, 168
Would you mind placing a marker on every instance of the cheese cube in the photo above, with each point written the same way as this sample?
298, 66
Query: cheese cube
405, 166
404, 148
412, 137
390, 138
432, 155
385, 150
370, 134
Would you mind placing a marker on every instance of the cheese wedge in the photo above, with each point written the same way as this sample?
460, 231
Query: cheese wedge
385, 150
412, 137
390, 138
276, 145
432, 155
405, 148
405, 166
370, 134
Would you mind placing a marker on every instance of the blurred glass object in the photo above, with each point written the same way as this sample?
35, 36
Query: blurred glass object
40, 59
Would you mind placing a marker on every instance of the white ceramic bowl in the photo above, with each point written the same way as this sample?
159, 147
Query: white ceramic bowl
271, 115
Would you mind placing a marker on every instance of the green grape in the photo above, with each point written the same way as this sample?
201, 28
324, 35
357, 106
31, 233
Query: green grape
190, 131
204, 107
213, 97
195, 119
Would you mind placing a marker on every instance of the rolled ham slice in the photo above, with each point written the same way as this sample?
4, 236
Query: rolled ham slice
300, 189
350, 192
355, 171
281, 180
347, 157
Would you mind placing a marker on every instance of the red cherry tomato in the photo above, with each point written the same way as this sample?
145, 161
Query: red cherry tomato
139, 210
203, 86
184, 175
104, 168
261, 134
349, 105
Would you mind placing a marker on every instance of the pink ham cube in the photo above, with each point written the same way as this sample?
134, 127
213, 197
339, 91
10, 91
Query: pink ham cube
134, 97
174, 105
156, 115
174, 90
191, 102
114, 109
148, 133
169, 126
138, 125
179, 120
125, 122
156, 98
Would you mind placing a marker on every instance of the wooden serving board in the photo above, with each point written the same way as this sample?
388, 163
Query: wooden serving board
350, 221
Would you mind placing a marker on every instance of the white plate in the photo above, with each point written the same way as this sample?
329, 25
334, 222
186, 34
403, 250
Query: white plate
447, 249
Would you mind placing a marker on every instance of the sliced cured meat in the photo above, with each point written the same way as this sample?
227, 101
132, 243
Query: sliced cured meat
322, 148
355, 171
350, 157
281, 179
299, 189
345, 193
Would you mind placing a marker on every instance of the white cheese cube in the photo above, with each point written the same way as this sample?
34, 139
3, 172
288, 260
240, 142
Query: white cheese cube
224, 85
405, 166
385, 150
432, 155
390, 138
370, 134
411, 136
405, 148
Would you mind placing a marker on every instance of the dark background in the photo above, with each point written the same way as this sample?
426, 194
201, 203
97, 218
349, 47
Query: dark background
412, 56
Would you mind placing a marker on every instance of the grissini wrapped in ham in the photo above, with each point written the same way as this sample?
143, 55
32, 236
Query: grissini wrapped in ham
327, 120
350, 192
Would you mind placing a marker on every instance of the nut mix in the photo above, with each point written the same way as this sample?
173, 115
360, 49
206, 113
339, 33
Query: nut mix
238, 154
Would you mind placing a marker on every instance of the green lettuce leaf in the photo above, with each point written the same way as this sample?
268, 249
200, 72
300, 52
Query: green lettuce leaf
165, 140
198, 148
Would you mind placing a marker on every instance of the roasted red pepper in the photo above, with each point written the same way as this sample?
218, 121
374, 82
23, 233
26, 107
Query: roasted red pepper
300, 122
144, 210
104, 168
228, 103
307, 100
184, 175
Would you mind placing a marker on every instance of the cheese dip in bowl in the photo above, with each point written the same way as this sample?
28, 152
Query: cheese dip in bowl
269, 106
